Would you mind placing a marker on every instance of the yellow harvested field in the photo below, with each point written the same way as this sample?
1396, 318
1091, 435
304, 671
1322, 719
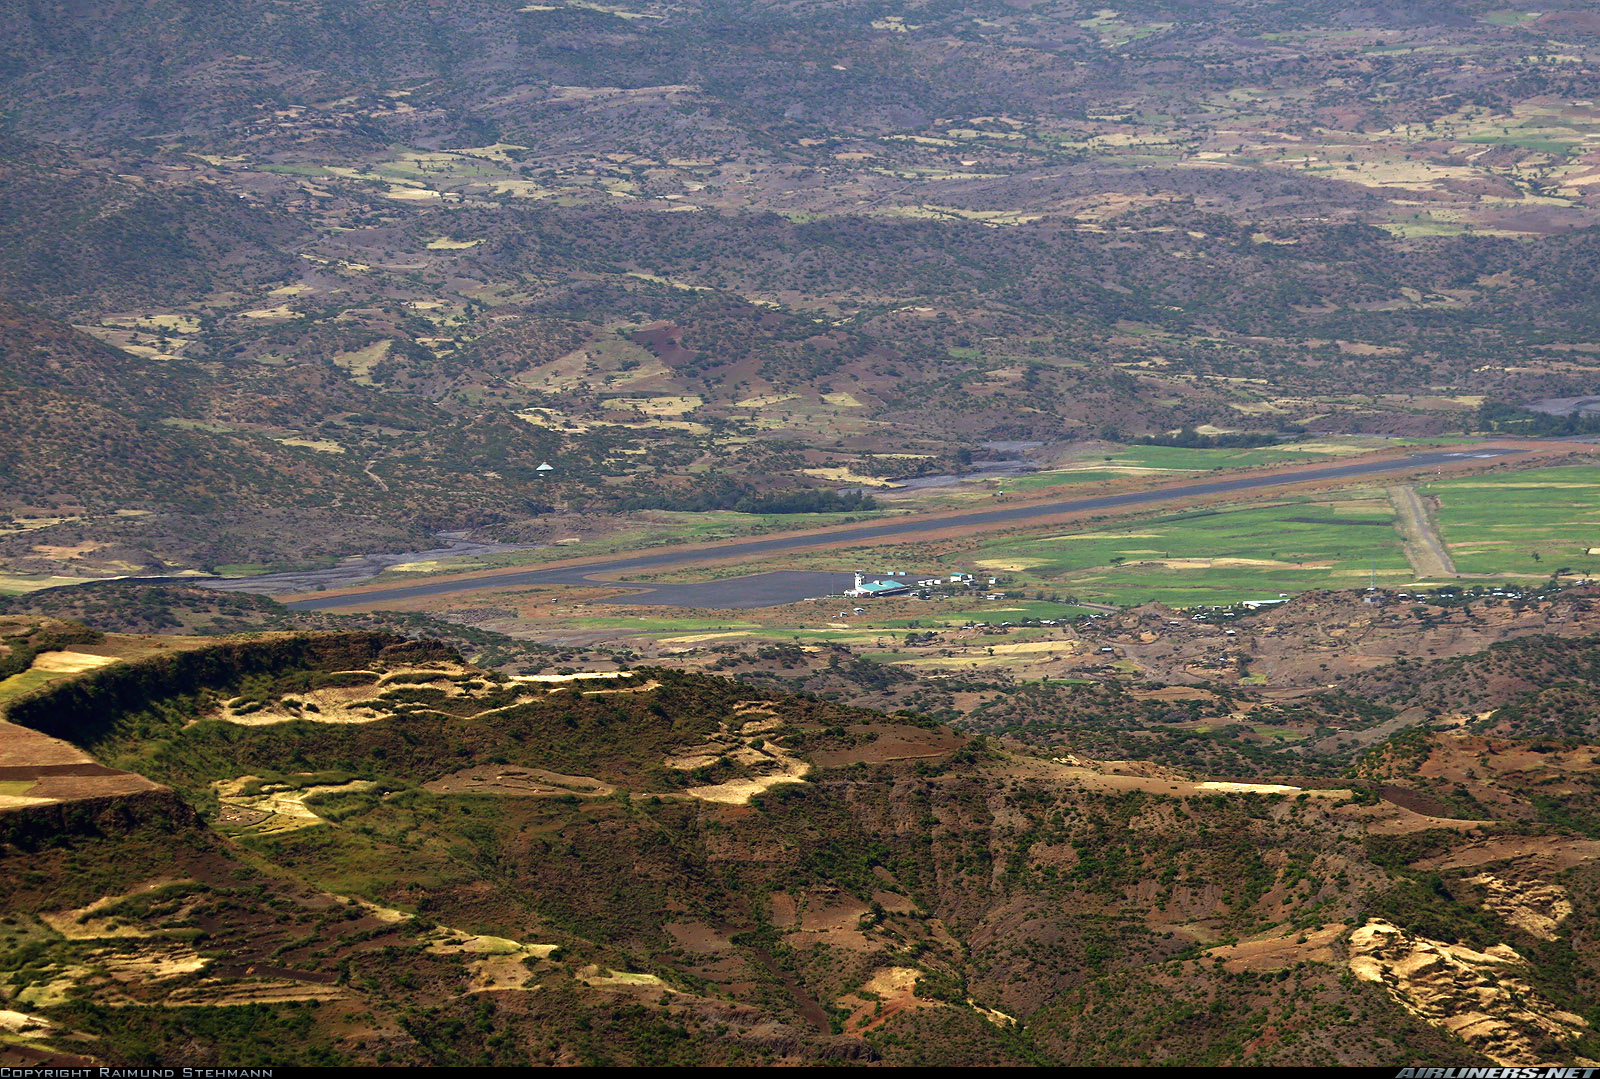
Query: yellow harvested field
444, 243
281, 311
522, 189
515, 781
333, 705
842, 400
632, 687
556, 421
676, 425
179, 323
411, 194
456, 942
284, 807
658, 279
1212, 563
22, 1025
1006, 565
610, 358
1173, 693
29, 524
844, 475
621, 13
1433, 402
56, 990
1248, 788
740, 791
602, 978
321, 445
152, 962
577, 676
1536, 907
19, 801
1126, 776
69, 662
766, 400
1023, 648
89, 923
494, 151
696, 638
891, 991
77, 550
255, 991
659, 406
360, 362
1340, 448
773, 764
155, 963
496, 962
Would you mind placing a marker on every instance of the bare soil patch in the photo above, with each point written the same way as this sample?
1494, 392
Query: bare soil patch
895, 742
518, 782
1278, 949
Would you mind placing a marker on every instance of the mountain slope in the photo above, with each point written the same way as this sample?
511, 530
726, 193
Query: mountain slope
661, 867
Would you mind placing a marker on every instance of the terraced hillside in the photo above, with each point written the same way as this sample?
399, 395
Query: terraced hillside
374, 852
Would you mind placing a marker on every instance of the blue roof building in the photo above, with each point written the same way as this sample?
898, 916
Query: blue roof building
878, 588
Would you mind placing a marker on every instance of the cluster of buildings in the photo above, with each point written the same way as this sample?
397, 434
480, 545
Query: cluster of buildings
894, 584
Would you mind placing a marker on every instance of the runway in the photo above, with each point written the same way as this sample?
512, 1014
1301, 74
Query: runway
770, 592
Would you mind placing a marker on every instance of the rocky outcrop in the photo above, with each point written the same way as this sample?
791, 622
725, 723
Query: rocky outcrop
1481, 997
1534, 906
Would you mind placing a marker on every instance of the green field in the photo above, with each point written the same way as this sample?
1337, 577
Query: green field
1179, 458
1060, 479
1540, 143
964, 610
1306, 451
1498, 524
1214, 556
25, 682
1493, 525
1119, 464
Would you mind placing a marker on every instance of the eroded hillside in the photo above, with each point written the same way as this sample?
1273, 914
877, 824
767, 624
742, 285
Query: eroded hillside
374, 851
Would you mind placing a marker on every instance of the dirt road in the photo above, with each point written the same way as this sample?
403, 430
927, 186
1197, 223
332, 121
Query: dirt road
1424, 549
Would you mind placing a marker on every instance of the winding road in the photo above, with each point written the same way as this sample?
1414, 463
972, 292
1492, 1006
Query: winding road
604, 571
